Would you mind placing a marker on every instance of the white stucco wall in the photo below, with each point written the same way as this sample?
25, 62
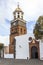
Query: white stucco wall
41, 50
22, 46
8, 55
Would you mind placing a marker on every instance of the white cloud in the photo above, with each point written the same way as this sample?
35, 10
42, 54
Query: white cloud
4, 40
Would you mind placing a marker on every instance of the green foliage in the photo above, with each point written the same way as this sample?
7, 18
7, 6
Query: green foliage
1, 46
38, 30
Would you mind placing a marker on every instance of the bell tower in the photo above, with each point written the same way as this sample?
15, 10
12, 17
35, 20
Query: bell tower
18, 27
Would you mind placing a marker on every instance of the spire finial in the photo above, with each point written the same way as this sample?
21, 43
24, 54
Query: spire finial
18, 4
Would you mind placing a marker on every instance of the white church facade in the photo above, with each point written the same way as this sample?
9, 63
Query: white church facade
26, 49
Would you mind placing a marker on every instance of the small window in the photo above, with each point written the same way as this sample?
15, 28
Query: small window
30, 38
21, 30
24, 31
12, 29
18, 15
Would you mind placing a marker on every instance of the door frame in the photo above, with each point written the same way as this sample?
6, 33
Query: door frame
36, 44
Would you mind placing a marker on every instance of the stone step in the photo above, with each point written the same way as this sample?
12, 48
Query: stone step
20, 62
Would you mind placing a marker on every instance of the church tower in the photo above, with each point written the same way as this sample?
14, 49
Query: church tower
18, 27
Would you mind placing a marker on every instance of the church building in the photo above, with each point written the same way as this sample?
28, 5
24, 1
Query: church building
23, 45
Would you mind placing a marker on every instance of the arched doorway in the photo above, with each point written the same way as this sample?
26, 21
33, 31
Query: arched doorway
34, 52
34, 49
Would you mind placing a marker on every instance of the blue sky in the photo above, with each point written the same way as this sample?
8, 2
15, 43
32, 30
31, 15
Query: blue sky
32, 10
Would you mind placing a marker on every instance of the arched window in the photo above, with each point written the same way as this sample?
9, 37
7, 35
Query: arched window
18, 15
24, 31
21, 30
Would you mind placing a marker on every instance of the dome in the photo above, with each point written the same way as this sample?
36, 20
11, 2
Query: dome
18, 9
